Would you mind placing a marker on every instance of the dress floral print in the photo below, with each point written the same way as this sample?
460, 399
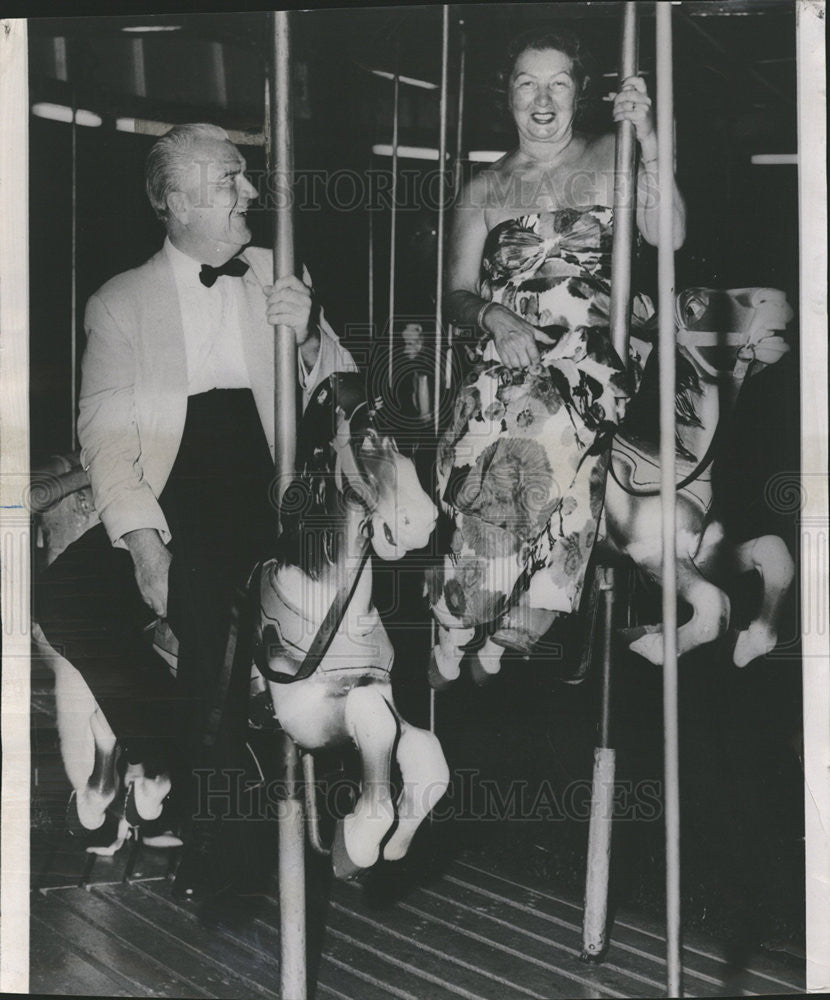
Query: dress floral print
522, 467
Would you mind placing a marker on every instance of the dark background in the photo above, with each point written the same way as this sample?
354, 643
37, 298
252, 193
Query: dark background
735, 96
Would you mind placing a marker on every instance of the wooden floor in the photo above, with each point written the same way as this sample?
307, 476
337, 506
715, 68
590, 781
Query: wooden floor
465, 933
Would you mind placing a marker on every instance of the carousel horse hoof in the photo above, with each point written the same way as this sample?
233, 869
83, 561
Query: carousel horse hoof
645, 641
75, 825
480, 675
755, 641
104, 839
344, 868
146, 800
437, 680
109, 838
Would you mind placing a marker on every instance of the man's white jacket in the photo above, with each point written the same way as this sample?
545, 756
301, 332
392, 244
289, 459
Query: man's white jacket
133, 400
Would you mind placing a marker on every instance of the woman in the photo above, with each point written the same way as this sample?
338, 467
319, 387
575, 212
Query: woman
523, 466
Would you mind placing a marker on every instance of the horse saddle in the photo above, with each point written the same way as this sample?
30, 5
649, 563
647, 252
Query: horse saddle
291, 648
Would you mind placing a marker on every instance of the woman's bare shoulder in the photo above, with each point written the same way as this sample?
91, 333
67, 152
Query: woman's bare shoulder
600, 146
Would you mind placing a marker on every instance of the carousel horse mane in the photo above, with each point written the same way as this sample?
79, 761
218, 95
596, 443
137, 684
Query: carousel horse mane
642, 418
344, 459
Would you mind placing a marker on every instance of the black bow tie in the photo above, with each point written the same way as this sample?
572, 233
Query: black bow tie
235, 267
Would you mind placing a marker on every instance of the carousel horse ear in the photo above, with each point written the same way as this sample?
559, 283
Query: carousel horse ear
345, 466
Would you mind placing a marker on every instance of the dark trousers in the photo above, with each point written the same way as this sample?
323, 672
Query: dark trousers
218, 508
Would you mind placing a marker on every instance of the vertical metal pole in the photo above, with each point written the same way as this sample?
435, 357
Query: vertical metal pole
595, 916
442, 166
371, 272
439, 271
665, 278
74, 268
282, 167
459, 125
595, 919
293, 975
625, 195
393, 224
458, 171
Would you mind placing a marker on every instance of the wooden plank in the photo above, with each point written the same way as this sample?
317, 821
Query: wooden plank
448, 943
228, 968
542, 945
701, 956
379, 967
56, 968
138, 969
475, 972
622, 960
336, 977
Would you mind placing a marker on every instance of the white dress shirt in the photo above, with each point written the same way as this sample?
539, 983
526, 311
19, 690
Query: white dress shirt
212, 332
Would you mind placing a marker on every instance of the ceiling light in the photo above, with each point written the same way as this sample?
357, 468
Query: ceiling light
774, 159
153, 27
407, 152
62, 113
408, 80
485, 155
146, 126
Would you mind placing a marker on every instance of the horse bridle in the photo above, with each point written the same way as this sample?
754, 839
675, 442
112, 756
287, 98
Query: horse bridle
699, 469
345, 470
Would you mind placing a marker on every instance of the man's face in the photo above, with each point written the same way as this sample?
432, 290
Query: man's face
217, 197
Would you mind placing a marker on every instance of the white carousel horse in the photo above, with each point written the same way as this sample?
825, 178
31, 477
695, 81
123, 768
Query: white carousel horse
331, 686
722, 337
108, 801
359, 486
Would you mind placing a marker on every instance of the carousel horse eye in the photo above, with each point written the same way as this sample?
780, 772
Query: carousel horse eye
387, 532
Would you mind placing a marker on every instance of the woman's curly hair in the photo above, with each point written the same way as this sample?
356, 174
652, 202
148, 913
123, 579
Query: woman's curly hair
561, 40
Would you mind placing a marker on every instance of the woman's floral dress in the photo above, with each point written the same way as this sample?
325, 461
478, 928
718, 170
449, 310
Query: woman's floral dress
522, 467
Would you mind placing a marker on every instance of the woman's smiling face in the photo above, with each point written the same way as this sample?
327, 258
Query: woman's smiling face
543, 94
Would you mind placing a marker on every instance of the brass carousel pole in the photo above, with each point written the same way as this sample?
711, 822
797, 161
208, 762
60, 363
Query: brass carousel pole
393, 220
595, 916
293, 976
666, 347
439, 272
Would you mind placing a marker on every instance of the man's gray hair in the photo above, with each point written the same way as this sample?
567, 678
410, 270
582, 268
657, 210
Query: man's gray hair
171, 157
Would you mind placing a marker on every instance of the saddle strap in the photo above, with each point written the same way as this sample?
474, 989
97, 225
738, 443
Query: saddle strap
327, 631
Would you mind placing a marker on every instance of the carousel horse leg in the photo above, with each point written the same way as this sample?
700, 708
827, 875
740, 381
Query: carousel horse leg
485, 663
87, 743
710, 616
445, 663
771, 559
92, 799
425, 778
371, 724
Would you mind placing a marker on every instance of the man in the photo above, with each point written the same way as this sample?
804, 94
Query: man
176, 426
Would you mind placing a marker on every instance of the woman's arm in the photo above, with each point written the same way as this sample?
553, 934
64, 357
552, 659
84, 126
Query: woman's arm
633, 104
514, 338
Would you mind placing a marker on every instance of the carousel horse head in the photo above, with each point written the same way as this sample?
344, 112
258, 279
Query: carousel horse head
347, 464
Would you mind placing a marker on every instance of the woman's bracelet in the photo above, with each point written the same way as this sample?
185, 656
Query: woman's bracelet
480, 316
648, 163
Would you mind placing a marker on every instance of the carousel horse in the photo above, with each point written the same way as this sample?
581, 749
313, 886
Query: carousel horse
319, 640
711, 367
722, 338
112, 798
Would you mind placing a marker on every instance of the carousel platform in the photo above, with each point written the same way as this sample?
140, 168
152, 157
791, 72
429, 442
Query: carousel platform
463, 932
